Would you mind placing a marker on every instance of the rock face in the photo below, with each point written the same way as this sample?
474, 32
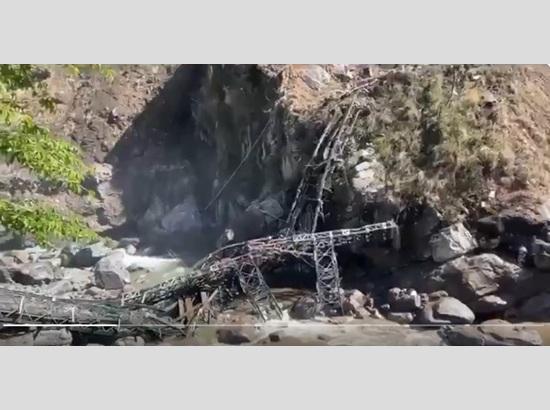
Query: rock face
447, 310
451, 242
111, 273
494, 332
183, 217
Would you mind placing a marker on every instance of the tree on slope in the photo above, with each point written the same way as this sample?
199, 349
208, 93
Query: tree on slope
27, 143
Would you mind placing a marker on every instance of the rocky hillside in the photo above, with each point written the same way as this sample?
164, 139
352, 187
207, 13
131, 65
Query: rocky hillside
457, 155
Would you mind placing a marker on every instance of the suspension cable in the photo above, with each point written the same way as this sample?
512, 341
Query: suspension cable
245, 158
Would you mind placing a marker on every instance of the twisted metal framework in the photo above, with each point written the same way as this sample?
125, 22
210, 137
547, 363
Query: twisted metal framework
30, 308
220, 266
328, 276
256, 290
307, 207
242, 259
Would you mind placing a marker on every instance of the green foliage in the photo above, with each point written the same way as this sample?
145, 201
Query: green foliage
44, 223
34, 146
436, 145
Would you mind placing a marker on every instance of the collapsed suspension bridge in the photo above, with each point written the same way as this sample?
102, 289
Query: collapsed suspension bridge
245, 261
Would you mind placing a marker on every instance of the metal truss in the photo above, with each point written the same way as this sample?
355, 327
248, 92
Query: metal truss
328, 276
256, 290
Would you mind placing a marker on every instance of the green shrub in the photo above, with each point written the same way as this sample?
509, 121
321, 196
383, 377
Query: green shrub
25, 142
44, 223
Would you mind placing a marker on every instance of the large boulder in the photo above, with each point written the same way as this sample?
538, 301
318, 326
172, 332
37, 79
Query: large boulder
111, 210
495, 332
512, 229
490, 304
304, 308
39, 273
451, 242
447, 310
57, 288
403, 300
110, 272
183, 217
470, 278
79, 278
369, 174
89, 255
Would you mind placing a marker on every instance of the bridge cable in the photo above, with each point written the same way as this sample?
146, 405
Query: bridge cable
245, 158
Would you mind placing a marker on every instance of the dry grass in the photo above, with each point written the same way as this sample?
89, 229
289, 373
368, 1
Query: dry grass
462, 138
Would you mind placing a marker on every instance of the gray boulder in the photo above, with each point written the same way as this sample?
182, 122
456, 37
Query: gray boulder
490, 304
453, 310
315, 76
369, 174
183, 217
53, 337
404, 300
79, 278
57, 288
39, 273
303, 308
447, 310
470, 278
90, 255
111, 212
110, 272
451, 242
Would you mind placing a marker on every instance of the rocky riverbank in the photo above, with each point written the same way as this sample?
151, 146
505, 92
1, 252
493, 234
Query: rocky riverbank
470, 299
